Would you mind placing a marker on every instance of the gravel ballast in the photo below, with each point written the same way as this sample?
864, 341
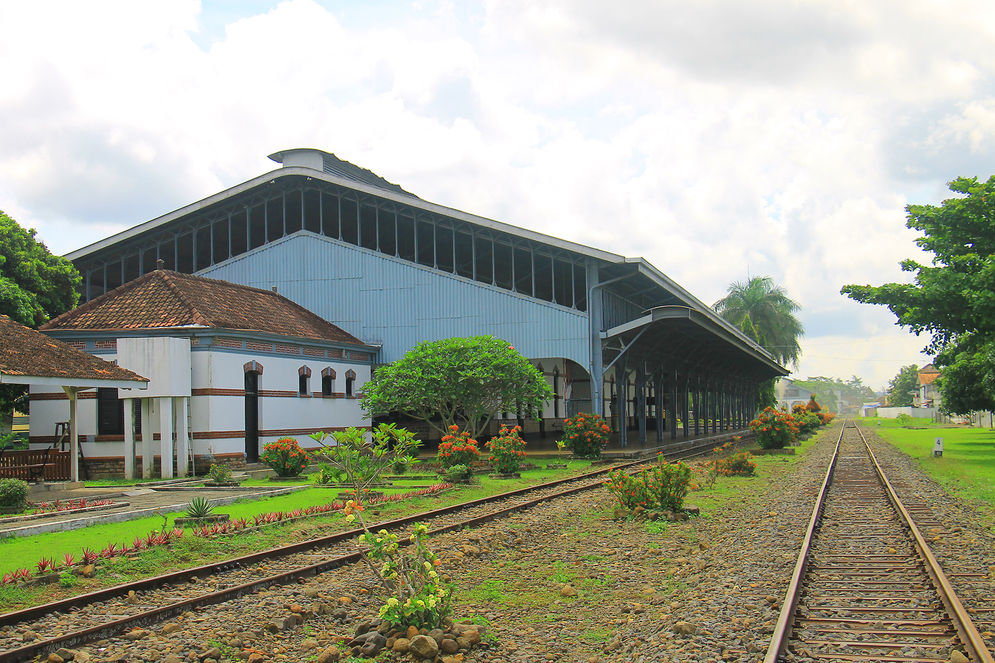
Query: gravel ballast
563, 581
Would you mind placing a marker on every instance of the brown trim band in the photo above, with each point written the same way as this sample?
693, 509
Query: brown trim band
53, 396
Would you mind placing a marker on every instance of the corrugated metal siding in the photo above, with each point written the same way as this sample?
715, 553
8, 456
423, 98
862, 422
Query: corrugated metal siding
618, 310
397, 304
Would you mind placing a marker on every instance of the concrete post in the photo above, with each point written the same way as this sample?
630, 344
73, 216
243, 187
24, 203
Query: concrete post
148, 457
129, 439
166, 437
182, 435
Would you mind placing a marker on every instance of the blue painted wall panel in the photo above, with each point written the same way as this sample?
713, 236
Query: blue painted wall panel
382, 300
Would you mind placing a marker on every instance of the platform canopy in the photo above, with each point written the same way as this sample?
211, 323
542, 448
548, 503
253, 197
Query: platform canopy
682, 336
29, 357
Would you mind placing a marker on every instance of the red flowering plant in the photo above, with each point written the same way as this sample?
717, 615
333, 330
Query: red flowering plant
285, 457
586, 435
457, 448
775, 429
507, 450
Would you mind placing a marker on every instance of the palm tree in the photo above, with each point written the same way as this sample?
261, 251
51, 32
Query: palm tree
770, 311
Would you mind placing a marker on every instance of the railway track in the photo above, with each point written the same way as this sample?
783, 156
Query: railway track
866, 586
109, 612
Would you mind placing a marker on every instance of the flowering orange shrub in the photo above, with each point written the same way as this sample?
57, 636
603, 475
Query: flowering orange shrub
775, 429
285, 457
457, 448
825, 417
663, 486
507, 449
586, 435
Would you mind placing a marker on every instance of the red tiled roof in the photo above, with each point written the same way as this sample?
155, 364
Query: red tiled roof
928, 378
163, 298
25, 352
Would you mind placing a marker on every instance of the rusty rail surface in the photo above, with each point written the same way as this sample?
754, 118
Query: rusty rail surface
879, 599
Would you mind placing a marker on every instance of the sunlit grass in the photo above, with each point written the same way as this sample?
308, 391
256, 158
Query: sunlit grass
967, 466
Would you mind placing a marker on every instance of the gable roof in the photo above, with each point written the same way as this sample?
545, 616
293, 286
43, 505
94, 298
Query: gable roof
26, 355
928, 378
166, 299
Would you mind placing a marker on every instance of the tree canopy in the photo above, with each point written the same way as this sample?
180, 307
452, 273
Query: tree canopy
34, 284
771, 315
458, 381
953, 298
902, 387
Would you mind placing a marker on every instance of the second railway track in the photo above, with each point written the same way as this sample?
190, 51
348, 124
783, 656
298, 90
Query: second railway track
113, 610
866, 586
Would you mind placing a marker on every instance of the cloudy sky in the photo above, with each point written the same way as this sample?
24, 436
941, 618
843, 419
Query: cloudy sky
717, 139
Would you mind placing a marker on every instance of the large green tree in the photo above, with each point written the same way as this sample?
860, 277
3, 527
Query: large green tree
34, 286
902, 387
953, 298
771, 313
458, 381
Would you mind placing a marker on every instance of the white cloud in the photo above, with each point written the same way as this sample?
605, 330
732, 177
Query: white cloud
716, 139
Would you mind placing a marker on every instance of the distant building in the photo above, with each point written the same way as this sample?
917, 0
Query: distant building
927, 392
231, 368
789, 394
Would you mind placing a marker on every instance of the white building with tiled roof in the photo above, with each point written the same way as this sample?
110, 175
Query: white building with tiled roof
231, 368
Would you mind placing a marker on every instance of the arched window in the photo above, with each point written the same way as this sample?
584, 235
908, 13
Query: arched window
350, 381
327, 381
304, 381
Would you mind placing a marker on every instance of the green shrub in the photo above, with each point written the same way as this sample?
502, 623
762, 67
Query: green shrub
285, 457
13, 493
459, 474
219, 473
775, 429
660, 487
737, 465
457, 448
668, 484
586, 435
507, 450
807, 421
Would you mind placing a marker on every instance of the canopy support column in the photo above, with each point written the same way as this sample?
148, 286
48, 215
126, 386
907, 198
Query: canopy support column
641, 403
621, 399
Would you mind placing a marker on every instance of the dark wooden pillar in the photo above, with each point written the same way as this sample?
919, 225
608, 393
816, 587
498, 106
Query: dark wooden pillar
641, 403
658, 401
622, 405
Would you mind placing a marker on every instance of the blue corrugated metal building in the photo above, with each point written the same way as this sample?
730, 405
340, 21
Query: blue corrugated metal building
393, 269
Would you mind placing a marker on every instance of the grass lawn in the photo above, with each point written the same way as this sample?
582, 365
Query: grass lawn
967, 467
24, 552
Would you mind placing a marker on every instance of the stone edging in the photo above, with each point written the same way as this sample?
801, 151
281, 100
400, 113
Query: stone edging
65, 525
48, 514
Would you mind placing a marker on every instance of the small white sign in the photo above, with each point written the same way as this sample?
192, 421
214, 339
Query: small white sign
938, 447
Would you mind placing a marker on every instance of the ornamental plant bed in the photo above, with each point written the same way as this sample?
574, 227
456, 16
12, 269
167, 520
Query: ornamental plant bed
226, 484
556, 466
203, 520
506, 475
298, 479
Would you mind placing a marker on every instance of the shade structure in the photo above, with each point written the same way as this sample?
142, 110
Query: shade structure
29, 357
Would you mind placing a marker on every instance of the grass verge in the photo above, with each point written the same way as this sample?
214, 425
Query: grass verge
966, 468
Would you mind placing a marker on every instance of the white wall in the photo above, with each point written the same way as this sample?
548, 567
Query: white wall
214, 413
